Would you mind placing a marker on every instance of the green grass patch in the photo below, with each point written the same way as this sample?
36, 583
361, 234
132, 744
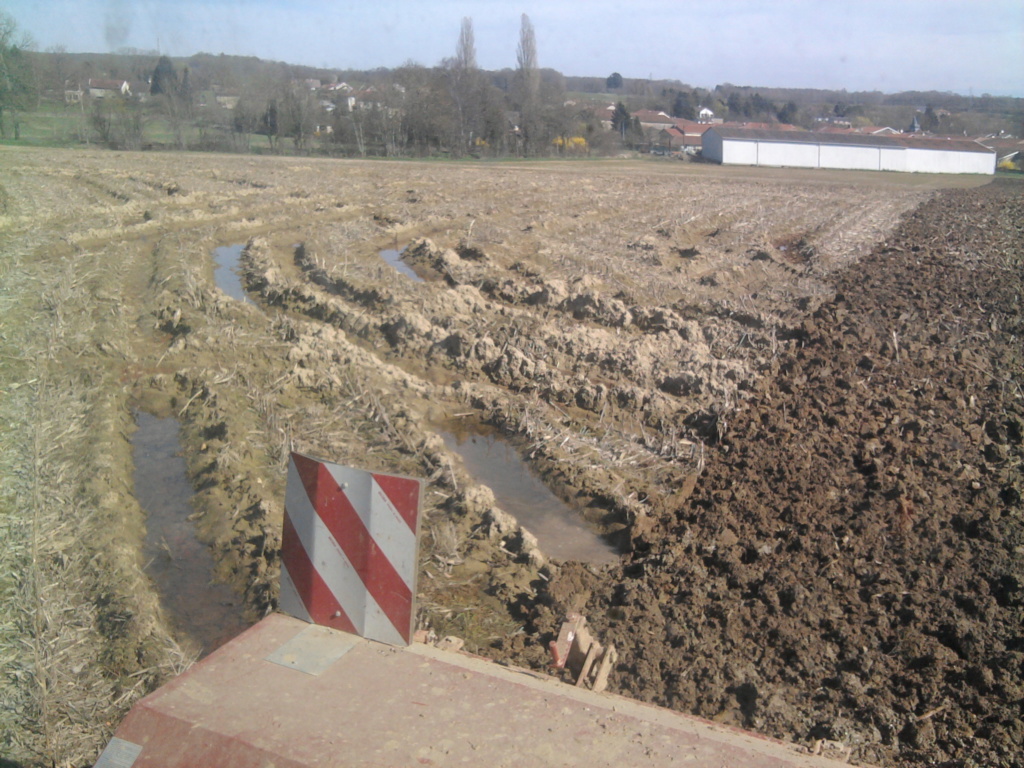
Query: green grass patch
48, 126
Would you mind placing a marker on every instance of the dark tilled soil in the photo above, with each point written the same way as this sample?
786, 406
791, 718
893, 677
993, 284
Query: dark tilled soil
850, 567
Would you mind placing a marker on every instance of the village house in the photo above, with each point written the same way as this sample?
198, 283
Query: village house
687, 135
227, 100
73, 95
653, 120
1008, 150
682, 136
101, 89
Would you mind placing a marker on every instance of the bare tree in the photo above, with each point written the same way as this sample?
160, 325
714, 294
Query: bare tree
465, 55
119, 121
174, 96
60, 69
430, 118
389, 118
465, 87
526, 87
245, 119
526, 58
298, 115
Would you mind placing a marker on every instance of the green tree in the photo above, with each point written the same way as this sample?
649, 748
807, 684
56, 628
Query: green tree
268, 123
738, 106
629, 129
620, 119
685, 105
930, 120
186, 92
760, 106
165, 79
789, 113
614, 81
17, 81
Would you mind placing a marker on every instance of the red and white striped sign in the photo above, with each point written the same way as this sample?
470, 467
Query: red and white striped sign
349, 549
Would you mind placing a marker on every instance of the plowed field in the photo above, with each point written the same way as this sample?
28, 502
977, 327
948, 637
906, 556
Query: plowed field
793, 401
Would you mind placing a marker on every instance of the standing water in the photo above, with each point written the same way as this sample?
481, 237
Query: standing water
226, 274
180, 565
394, 258
561, 533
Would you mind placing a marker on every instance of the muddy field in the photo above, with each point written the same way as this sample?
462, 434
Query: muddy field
791, 400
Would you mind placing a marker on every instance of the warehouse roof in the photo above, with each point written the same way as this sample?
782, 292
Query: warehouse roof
847, 139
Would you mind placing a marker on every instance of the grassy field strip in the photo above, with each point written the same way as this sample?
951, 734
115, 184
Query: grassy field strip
18, 401
66, 477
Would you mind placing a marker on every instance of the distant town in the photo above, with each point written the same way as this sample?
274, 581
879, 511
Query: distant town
142, 100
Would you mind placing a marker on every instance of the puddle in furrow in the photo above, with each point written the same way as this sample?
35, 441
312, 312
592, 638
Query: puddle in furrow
394, 258
493, 461
180, 565
226, 274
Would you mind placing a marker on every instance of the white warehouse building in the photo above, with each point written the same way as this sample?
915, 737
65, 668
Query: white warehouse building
803, 149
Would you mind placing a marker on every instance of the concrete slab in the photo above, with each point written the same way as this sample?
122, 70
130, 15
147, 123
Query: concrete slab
356, 702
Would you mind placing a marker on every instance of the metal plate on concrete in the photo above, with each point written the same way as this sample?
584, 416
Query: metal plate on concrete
119, 754
313, 650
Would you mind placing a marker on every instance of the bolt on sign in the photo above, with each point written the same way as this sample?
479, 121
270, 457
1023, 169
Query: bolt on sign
349, 549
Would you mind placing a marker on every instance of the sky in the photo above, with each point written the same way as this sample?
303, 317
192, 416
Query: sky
963, 46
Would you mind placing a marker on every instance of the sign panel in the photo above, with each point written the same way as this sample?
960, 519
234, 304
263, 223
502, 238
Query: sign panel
349, 549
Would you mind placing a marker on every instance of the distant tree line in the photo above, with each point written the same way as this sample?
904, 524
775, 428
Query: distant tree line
452, 109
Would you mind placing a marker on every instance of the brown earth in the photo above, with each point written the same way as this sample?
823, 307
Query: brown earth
851, 564
792, 397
